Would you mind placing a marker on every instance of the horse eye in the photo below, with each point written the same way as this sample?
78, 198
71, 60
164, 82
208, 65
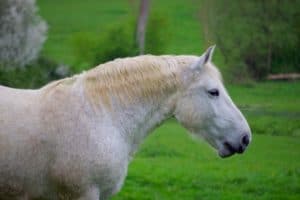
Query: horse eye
214, 92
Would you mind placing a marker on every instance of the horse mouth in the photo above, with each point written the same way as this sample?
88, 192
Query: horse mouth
225, 154
229, 150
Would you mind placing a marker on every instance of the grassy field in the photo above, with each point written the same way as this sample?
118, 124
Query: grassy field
170, 164
271, 107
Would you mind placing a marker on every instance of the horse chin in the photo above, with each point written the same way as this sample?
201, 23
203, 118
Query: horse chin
225, 153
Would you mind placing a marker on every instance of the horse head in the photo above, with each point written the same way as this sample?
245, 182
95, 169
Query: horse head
205, 108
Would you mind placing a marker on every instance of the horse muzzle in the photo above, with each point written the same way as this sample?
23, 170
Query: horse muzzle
228, 148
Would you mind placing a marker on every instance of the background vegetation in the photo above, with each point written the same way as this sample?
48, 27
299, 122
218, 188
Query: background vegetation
22, 32
255, 37
172, 165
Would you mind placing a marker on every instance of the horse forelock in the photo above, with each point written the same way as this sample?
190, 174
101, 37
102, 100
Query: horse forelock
129, 79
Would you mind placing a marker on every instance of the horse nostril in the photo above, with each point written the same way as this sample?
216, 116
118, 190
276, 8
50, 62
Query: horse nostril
245, 140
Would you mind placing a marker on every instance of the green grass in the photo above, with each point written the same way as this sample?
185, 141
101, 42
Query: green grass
270, 107
171, 165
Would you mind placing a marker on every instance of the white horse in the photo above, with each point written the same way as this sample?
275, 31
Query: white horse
74, 138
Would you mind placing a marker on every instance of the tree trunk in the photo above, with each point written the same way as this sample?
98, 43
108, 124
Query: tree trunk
141, 25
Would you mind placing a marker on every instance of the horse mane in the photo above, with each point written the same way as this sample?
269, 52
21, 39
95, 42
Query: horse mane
128, 79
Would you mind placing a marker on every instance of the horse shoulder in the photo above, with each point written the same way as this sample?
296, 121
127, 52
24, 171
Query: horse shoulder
22, 156
86, 146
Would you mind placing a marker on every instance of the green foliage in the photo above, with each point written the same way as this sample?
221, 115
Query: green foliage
93, 49
83, 46
95, 16
117, 41
157, 34
255, 37
35, 75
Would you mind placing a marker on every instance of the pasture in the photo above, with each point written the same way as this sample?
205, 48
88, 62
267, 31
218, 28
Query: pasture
172, 165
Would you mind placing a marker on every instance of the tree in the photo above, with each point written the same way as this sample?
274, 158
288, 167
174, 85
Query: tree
22, 32
141, 25
255, 37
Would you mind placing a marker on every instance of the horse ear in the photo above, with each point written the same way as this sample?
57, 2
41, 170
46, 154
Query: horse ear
209, 53
204, 58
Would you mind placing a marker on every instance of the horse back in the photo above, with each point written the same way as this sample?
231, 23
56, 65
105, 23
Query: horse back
17, 107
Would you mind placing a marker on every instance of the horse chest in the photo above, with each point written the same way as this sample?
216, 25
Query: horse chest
99, 156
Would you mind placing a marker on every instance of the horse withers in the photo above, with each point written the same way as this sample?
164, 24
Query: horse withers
74, 138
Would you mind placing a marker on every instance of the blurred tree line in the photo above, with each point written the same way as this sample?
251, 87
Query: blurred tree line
22, 32
142, 33
255, 37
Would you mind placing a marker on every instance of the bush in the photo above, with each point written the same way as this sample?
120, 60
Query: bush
93, 49
117, 41
84, 49
35, 75
256, 37
22, 32
157, 34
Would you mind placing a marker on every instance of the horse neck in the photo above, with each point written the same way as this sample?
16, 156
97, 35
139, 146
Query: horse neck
140, 104
138, 120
